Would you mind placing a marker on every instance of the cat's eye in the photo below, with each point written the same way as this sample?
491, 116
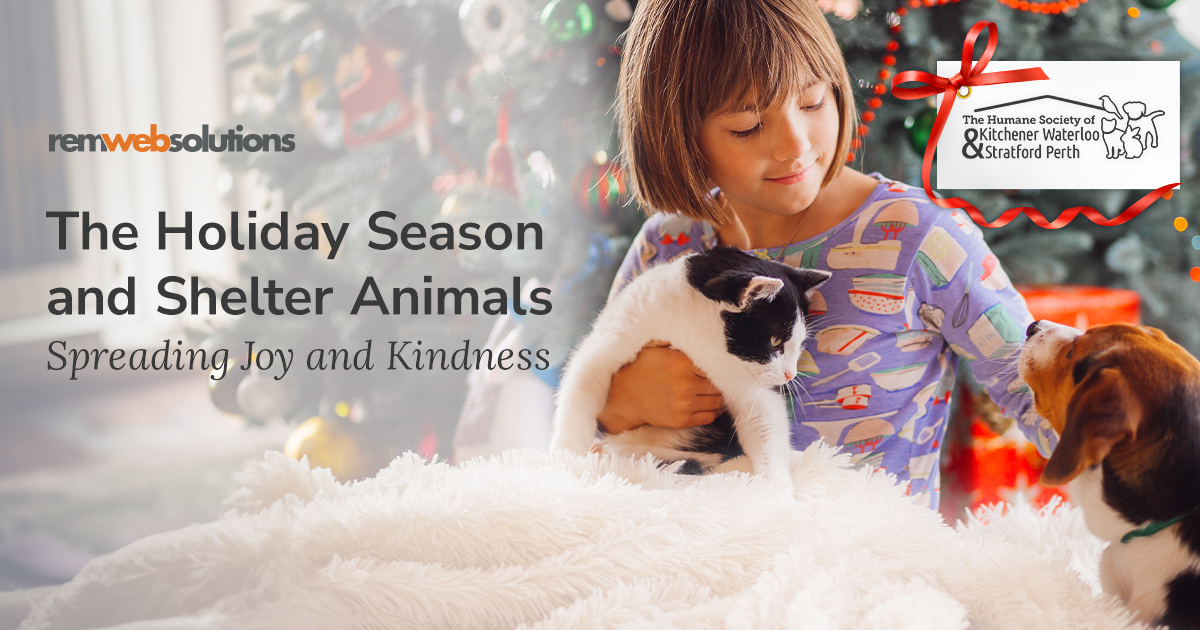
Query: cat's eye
776, 342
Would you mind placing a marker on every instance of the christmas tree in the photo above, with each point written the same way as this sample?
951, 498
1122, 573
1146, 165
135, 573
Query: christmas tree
430, 111
501, 111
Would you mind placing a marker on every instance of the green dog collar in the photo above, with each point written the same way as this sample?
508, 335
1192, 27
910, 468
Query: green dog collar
1154, 527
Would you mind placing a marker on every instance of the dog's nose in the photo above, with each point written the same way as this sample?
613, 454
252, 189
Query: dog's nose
1032, 330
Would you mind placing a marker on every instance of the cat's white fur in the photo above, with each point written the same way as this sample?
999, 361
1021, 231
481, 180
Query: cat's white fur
662, 305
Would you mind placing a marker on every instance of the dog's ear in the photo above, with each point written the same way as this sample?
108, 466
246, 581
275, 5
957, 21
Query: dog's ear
1102, 413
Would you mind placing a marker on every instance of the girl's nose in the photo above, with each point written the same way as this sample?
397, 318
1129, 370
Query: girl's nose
791, 140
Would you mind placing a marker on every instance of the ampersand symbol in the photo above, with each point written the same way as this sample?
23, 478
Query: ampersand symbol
971, 135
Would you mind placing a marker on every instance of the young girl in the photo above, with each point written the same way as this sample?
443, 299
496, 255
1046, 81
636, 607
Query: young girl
736, 120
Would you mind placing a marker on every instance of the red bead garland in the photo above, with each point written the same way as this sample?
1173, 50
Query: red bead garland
1049, 8
888, 62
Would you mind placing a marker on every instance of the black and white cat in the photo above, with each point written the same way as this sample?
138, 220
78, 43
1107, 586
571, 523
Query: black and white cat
739, 318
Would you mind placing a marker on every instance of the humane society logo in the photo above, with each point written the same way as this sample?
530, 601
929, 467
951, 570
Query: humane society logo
232, 140
1128, 135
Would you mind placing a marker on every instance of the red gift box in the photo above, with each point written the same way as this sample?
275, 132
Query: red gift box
982, 466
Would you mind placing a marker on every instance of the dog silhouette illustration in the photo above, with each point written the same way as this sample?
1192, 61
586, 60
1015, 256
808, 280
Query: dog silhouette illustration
1112, 140
1136, 129
1138, 118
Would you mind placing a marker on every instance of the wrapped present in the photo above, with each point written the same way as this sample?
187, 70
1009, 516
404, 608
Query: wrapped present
987, 458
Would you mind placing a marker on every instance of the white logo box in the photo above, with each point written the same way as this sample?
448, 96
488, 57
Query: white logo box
989, 143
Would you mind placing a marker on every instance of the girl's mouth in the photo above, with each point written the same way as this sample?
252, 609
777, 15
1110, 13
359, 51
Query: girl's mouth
792, 178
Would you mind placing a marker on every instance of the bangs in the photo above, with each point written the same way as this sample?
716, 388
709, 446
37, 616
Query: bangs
755, 55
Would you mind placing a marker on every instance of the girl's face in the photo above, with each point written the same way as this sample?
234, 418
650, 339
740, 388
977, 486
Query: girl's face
773, 160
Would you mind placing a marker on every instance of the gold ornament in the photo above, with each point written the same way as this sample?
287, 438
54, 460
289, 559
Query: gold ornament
334, 444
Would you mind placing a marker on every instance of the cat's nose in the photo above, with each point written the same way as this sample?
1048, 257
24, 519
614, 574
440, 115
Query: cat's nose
789, 375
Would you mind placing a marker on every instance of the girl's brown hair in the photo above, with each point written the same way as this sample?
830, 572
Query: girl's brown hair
684, 59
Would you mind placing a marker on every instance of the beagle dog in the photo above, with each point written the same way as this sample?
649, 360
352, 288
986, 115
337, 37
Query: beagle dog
1125, 401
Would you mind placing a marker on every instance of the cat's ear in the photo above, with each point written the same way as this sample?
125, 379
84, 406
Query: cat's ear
807, 280
760, 288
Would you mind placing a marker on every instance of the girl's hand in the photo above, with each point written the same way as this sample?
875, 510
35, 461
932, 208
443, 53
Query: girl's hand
662, 388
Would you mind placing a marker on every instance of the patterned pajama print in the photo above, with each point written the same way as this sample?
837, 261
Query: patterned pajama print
914, 288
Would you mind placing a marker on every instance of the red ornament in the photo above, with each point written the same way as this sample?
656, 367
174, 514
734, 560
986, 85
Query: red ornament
501, 159
375, 107
868, 116
875, 103
893, 46
889, 60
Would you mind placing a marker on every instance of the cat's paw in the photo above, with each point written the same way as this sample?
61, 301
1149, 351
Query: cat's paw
603, 448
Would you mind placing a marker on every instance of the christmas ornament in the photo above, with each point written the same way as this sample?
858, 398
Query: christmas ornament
1127, 255
618, 10
919, 127
223, 392
496, 27
501, 159
598, 188
1180, 224
338, 445
375, 107
261, 397
1157, 5
567, 20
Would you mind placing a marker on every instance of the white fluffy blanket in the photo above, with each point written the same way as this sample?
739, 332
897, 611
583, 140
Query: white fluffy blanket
556, 541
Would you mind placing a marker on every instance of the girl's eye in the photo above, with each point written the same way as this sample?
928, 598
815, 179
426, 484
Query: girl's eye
748, 132
814, 107
775, 341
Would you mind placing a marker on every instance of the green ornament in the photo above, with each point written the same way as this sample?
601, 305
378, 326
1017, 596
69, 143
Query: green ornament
919, 127
1157, 5
567, 20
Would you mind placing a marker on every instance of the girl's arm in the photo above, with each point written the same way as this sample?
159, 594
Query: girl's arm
963, 291
661, 387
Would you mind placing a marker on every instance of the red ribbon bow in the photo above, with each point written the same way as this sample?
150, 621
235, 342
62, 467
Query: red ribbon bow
973, 75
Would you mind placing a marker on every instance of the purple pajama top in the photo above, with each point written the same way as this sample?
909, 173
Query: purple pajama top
914, 289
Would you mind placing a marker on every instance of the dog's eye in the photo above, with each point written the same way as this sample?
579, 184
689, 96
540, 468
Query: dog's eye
775, 342
1071, 353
